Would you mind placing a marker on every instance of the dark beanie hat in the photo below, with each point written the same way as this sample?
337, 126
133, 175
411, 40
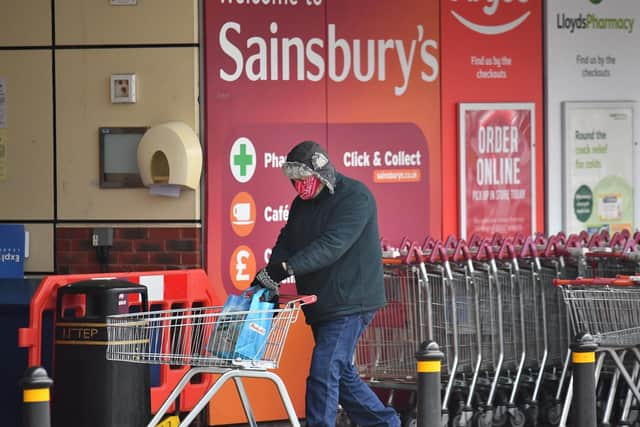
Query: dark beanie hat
309, 158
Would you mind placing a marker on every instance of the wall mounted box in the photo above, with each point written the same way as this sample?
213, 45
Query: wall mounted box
118, 156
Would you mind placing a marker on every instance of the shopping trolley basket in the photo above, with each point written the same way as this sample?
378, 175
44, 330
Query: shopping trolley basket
609, 310
204, 338
606, 262
385, 353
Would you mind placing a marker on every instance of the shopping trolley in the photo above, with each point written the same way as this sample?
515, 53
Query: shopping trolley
421, 306
385, 353
465, 297
204, 338
609, 310
614, 260
557, 331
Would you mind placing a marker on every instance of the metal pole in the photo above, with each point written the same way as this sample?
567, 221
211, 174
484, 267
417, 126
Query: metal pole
35, 398
429, 359
583, 406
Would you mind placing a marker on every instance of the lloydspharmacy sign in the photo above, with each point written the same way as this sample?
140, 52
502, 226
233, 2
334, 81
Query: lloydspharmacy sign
594, 21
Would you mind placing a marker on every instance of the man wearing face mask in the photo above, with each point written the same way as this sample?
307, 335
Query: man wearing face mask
331, 244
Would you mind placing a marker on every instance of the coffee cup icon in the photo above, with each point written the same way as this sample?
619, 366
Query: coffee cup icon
242, 213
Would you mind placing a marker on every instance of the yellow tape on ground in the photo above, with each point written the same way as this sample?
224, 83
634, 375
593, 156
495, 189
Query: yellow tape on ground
587, 357
429, 366
172, 421
36, 395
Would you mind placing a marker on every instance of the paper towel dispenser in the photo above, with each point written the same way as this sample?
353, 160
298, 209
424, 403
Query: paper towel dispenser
170, 154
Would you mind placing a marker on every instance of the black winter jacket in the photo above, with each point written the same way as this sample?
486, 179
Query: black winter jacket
332, 244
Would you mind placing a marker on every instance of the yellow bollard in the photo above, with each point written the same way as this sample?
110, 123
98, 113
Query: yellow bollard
36, 395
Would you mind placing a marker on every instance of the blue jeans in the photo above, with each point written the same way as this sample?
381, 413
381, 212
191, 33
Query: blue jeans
333, 379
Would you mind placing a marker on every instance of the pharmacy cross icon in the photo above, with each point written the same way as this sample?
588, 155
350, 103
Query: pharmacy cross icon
242, 159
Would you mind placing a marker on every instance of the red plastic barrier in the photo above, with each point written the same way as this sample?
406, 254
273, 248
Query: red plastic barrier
166, 290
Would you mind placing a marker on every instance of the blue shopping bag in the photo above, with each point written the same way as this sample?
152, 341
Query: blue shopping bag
241, 330
252, 339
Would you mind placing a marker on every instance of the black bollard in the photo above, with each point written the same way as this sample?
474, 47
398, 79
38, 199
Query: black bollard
429, 358
583, 404
36, 386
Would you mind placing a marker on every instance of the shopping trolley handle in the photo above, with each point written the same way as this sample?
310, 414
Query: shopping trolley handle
497, 239
461, 252
541, 239
618, 240
519, 239
451, 242
485, 252
598, 240
598, 281
601, 252
438, 253
297, 299
554, 247
507, 250
561, 239
405, 244
630, 246
574, 241
411, 255
528, 249
428, 243
475, 241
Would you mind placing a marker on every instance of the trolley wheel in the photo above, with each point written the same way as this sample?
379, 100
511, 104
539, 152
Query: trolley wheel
462, 419
410, 418
500, 416
633, 418
517, 418
554, 413
532, 413
481, 419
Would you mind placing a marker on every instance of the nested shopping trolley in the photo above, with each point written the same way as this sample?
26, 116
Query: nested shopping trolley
609, 310
207, 339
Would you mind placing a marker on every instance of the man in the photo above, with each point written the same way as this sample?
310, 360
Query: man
331, 244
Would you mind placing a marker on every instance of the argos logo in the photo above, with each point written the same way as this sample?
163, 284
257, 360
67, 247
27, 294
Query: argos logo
490, 17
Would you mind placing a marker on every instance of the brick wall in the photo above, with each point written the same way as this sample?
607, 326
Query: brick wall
134, 249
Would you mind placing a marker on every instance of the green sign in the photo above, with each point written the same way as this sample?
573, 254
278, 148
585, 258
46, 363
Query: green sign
583, 203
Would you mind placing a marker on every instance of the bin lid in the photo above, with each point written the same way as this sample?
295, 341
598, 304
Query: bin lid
102, 296
102, 285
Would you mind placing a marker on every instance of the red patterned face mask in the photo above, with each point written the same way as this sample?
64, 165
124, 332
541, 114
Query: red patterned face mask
308, 187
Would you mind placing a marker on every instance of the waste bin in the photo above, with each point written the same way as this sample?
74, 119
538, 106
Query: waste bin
90, 390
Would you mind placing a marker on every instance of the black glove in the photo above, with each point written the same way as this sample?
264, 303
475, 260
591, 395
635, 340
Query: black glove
270, 277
